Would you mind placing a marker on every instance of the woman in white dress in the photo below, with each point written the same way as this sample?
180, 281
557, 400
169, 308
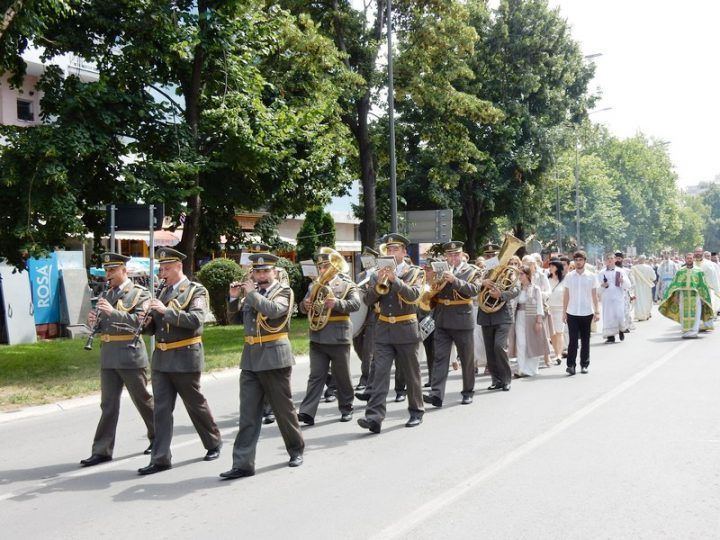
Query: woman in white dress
527, 341
534, 261
555, 306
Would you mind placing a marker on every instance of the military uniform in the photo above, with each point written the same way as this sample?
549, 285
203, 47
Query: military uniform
282, 276
454, 323
120, 364
330, 349
397, 337
364, 341
496, 329
177, 361
266, 367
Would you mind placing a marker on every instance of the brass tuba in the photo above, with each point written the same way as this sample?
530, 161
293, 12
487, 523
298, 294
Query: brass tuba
502, 275
319, 314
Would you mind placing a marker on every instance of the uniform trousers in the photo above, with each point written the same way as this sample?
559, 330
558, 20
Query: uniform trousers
255, 386
405, 356
111, 386
337, 359
463, 339
166, 387
495, 337
364, 344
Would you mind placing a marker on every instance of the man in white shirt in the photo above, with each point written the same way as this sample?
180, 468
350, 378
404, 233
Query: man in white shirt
580, 309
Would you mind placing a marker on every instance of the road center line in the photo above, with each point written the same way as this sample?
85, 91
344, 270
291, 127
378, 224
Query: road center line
401, 528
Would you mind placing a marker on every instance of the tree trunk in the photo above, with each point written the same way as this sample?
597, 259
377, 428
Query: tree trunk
192, 89
367, 172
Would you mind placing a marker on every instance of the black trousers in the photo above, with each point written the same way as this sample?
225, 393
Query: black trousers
579, 327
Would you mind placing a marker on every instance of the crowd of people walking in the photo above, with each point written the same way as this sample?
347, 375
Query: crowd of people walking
503, 316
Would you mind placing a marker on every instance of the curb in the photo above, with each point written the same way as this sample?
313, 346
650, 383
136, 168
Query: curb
74, 403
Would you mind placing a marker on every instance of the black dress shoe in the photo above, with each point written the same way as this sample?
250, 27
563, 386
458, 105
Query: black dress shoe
414, 421
400, 396
622, 336
346, 417
495, 386
295, 461
268, 419
467, 400
234, 473
306, 419
435, 401
362, 396
570, 370
366, 423
583, 369
427, 385
212, 454
610, 339
153, 468
505, 388
359, 387
148, 450
95, 459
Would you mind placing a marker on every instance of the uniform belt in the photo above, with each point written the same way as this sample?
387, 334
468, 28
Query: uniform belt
339, 318
123, 337
398, 318
177, 344
447, 302
252, 340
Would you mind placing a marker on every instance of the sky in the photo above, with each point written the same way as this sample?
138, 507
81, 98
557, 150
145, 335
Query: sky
658, 72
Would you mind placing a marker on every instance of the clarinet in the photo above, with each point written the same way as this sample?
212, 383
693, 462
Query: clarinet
145, 319
96, 327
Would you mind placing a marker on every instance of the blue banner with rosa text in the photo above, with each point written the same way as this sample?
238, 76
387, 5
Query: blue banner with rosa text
45, 283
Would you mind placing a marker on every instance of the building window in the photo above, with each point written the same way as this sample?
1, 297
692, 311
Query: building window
25, 110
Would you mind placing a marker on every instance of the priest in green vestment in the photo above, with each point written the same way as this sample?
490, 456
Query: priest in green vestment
687, 299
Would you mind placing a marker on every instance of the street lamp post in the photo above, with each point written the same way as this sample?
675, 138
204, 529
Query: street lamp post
391, 111
577, 178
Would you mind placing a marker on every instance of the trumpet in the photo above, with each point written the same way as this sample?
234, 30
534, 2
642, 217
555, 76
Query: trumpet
145, 319
96, 327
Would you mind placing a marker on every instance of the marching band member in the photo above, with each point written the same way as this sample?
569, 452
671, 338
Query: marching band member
397, 336
454, 324
176, 320
120, 365
364, 343
266, 364
330, 334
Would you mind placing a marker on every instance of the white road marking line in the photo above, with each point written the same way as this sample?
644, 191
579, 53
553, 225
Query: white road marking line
401, 528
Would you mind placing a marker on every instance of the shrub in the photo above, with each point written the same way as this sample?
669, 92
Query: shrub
216, 276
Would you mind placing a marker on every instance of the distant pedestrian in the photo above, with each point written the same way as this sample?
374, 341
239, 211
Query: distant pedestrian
580, 309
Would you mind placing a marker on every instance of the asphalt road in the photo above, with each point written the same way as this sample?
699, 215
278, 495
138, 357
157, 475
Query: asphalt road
630, 450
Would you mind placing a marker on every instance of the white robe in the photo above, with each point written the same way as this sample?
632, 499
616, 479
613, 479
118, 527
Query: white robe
713, 282
666, 272
644, 277
613, 301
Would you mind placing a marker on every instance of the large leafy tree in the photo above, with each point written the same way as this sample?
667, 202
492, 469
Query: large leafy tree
526, 64
219, 105
648, 196
710, 200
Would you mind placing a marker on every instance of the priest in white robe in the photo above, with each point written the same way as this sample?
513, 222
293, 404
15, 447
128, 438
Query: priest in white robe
644, 278
666, 272
614, 285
